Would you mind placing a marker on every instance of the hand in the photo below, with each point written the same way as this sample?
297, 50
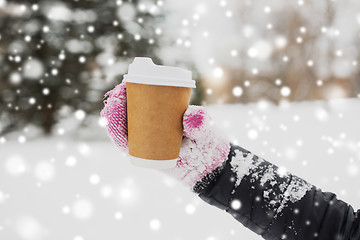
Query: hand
202, 149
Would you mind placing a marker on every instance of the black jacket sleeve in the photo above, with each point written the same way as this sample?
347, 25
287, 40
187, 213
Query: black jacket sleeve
276, 204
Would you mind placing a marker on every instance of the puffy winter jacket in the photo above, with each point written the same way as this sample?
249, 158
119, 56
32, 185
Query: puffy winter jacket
276, 204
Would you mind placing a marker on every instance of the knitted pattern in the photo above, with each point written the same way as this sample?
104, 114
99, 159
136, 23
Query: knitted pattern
114, 112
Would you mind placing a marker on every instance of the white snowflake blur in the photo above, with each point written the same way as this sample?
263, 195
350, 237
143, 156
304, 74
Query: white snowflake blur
76, 185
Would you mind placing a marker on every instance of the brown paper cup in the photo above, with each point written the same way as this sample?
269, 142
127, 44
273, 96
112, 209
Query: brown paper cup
155, 122
157, 97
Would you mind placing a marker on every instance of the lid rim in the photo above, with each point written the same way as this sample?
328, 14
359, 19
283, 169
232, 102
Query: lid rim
149, 80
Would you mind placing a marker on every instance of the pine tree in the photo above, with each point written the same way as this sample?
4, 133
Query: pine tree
53, 55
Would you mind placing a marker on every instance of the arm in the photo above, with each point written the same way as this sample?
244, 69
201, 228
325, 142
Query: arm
277, 205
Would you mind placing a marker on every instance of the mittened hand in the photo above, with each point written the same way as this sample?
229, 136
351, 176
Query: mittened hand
202, 149
115, 114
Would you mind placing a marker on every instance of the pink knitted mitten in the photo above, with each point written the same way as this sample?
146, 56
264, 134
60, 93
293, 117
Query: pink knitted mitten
203, 149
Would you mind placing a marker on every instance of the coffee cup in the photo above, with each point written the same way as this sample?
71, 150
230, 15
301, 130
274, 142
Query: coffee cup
157, 97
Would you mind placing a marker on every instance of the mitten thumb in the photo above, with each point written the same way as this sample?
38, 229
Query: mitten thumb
196, 122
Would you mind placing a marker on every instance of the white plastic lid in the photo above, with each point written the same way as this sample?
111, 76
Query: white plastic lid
143, 70
156, 164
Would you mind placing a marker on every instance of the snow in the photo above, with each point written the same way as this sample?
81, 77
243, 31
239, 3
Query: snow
242, 166
80, 184
29, 228
249, 166
118, 215
80, 114
15, 78
285, 91
46, 91
78, 237
237, 91
82, 209
44, 171
15, 165
59, 12
190, 209
155, 224
235, 204
294, 192
94, 179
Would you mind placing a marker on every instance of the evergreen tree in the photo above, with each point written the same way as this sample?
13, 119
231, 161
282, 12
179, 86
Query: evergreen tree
53, 55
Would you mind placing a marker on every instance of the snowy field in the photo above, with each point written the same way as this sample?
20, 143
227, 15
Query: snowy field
70, 187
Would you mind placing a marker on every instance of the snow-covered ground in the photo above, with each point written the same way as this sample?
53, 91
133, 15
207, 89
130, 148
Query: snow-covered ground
66, 188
